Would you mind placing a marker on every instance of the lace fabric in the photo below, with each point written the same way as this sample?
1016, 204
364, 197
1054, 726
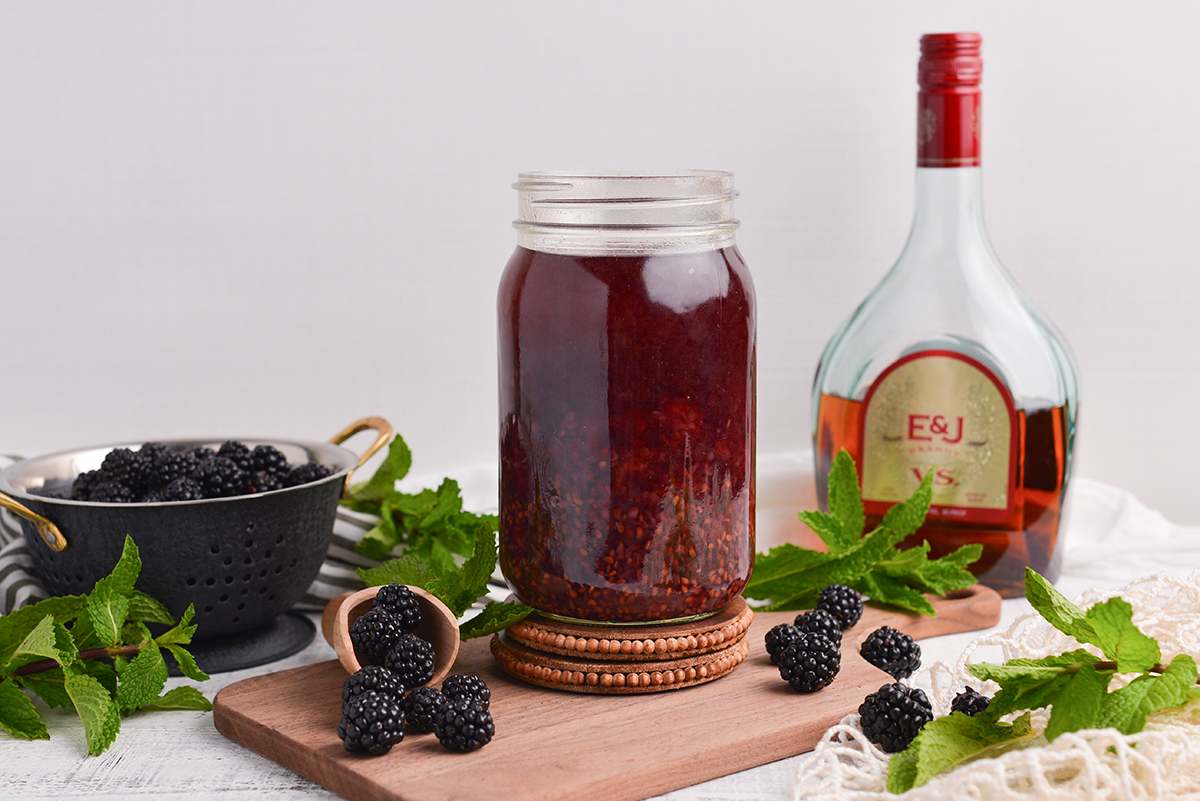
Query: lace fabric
1160, 762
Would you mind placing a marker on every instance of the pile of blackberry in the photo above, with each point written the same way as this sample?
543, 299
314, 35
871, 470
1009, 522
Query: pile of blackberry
383, 701
156, 474
384, 636
807, 650
377, 713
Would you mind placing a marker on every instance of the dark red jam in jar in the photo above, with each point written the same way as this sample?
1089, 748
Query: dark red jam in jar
627, 358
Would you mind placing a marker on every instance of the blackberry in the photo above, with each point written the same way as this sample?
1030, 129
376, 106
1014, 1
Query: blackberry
411, 658
170, 466
237, 453
372, 678
374, 634
778, 638
268, 459
84, 485
844, 603
819, 621
371, 723
112, 492
260, 481
201, 454
306, 473
401, 602
893, 652
893, 715
463, 725
153, 450
218, 477
133, 469
970, 702
466, 685
182, 489
810, 663
419, 708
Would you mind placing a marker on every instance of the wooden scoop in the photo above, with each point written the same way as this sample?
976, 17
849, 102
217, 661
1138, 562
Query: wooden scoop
438, 626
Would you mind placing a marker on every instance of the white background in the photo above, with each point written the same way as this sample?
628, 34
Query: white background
271, 218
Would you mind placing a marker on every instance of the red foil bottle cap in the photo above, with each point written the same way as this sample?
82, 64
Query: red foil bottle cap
948, 105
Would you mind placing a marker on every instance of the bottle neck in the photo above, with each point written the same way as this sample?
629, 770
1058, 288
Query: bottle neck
948, 213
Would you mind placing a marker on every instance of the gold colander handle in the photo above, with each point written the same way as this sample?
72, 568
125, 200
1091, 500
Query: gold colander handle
384, 433
46, 530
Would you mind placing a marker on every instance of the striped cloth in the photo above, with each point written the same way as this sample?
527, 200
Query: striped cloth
19, 585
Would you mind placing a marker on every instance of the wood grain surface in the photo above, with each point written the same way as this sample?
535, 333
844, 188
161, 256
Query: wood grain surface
553, 746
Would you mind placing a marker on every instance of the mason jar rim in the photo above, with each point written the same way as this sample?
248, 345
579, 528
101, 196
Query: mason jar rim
599, 212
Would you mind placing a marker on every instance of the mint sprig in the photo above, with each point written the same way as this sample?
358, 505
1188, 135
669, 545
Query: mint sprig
434, 543
1074, 685
791, 577
50, 648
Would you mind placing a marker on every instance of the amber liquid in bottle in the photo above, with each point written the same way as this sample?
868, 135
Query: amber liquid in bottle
1027, 537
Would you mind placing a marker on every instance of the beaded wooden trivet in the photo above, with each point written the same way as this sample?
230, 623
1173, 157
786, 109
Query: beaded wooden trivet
587, 676
635, 643
624, 659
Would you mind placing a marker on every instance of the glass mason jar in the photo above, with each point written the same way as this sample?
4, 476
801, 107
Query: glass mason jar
627, 405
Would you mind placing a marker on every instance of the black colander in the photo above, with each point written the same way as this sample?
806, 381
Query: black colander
240, 561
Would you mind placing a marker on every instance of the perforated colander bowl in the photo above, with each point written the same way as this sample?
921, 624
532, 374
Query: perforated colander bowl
240, 561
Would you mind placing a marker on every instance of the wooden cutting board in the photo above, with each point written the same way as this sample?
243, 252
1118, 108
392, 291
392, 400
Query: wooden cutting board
553, 745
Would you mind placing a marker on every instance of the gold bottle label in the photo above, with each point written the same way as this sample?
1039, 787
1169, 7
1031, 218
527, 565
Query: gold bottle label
944, 412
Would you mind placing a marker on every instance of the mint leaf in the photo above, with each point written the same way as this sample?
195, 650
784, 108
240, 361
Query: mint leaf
47, 685
881, 588
943, 575
108, 602
1029, 683
381, 539
945, 742
1054, 606
96, 708
1175, 686
105, 674
447, 502
182, 698
187, 663
1127, 708
142, 679
776, 572
467, 584
394, 467
907, 516
1110, 627
828, 528
845, 501
1124, 709
143, 607
47, 640
182, 633
408, 569
16, 625
496, 616
797, 586
18, 715
1076, 706
903, 767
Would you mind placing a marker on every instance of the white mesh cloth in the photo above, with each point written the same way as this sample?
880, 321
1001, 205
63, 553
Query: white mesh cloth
1161, 762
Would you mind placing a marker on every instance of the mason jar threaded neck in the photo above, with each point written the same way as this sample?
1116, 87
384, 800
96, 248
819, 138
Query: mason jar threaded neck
625, 213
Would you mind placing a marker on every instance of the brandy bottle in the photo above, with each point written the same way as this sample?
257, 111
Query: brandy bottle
948, 367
